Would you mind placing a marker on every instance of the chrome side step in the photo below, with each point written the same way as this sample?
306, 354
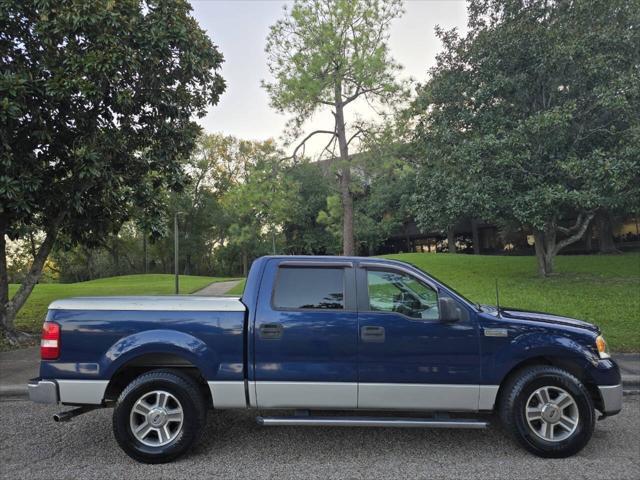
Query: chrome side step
371, 422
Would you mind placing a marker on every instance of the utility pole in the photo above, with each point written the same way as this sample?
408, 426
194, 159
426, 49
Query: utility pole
175, 251
144, 249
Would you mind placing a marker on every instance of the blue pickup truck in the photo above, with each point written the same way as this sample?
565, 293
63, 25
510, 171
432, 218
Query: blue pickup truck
336, 341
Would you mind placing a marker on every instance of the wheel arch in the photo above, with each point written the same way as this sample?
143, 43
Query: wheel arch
146, 362
569, 364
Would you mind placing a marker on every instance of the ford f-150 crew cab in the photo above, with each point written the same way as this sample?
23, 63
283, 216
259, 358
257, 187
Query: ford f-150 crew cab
341, 341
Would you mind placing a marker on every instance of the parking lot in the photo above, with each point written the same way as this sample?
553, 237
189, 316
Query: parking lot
33, 447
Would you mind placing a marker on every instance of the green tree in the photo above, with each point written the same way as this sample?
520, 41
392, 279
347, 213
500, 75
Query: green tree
327, 54
532, 118
258, 205
304, 234
382, 185
96, 112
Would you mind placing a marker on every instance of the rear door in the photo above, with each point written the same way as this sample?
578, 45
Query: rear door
306, 336
409, 357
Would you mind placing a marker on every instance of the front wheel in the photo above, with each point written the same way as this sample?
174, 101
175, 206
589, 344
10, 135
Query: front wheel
159, 416
549, 411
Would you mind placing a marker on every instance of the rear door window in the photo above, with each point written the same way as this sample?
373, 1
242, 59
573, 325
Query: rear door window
301, 288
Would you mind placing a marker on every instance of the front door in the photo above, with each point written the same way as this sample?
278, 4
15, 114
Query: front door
306, 336
410, 358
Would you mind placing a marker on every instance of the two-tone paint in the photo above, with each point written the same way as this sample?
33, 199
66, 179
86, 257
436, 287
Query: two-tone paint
320, 360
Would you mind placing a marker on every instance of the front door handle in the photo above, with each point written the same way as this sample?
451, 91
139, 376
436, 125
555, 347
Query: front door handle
372, 334
270, 331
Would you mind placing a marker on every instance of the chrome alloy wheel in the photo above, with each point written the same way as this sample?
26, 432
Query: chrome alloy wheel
156, 418
552, 414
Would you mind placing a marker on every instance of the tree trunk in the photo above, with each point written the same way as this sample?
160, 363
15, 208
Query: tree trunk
116, 260
605, 233
588, 239
475, 236
451, 240
547, 246
145, 268
543, 253
348, 241
9, 308
5, 322
32, 243
115, 256
245, 264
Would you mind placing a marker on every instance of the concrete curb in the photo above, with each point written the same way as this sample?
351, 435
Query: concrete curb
631, 381
12, 391
630, 386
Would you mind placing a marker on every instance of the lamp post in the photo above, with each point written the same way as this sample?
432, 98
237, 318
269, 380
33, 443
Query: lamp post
176, 262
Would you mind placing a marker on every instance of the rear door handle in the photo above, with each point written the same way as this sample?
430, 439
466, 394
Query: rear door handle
372, 334
270, 331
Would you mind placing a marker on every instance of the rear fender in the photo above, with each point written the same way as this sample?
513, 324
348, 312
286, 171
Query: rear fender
186, 346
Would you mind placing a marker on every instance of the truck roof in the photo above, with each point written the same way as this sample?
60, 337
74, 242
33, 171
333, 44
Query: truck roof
338, 258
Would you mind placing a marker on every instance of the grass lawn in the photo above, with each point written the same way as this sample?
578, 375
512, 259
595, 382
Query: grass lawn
238, 289
31, 316
602, 289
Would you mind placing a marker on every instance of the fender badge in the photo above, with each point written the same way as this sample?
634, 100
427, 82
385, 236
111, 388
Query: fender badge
496, 332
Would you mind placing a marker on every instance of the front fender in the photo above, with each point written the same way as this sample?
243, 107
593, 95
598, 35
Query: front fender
164, 341
532, 345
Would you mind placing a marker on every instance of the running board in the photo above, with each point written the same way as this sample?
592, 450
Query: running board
371, 422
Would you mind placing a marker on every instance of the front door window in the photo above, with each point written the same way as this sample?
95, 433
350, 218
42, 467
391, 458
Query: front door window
400, 293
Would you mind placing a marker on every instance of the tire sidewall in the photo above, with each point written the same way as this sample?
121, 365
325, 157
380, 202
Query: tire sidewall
191, 425
586, 416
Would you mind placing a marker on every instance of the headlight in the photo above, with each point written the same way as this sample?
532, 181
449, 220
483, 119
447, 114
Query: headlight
601, 345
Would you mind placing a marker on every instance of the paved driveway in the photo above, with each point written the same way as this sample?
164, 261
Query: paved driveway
217, 288
32, 446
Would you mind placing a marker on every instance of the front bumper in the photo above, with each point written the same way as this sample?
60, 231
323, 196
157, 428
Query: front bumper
43, 391
611, 396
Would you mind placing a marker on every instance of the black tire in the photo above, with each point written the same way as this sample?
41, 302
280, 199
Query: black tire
513, 414
185, 390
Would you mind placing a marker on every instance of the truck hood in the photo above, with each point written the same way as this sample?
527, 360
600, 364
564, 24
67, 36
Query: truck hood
547, 318
187, 303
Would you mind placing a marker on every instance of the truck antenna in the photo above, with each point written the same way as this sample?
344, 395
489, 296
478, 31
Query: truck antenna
497, 298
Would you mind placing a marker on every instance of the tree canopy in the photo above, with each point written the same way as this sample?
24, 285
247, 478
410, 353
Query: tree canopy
97, 111
327, 54
532, 117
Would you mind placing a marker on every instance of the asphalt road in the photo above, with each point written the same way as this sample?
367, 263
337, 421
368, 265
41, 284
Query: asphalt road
32, 446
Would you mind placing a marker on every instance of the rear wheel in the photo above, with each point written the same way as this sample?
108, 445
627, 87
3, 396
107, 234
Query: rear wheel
549, 411
159, 416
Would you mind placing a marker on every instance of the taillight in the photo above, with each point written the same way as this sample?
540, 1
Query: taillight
50, 341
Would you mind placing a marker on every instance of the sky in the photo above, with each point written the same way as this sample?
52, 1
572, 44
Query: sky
239, 28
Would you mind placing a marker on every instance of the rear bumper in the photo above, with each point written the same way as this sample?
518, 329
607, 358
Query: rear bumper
43, 391
611, 398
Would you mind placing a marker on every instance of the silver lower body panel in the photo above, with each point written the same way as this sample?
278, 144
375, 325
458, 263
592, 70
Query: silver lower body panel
369, 396
82, 392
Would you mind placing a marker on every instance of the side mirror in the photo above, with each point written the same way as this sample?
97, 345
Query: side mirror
448, 309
